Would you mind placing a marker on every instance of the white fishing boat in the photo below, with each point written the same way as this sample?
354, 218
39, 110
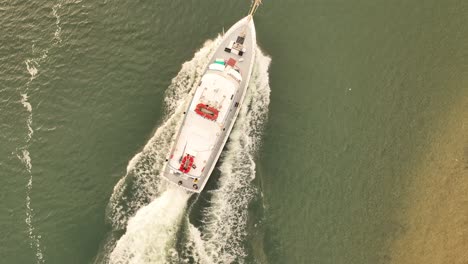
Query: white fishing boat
213, 109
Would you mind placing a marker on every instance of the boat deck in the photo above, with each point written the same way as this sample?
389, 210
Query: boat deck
207, 137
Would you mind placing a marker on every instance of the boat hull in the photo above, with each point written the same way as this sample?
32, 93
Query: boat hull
213, 110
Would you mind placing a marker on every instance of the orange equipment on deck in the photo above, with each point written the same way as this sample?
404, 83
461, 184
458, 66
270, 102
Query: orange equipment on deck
207, 112
186, 164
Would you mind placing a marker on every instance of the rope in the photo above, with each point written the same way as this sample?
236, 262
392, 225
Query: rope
254, 7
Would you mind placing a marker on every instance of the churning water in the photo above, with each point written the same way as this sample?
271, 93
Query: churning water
152, 212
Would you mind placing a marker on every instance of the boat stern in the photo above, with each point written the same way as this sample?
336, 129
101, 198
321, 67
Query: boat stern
181, 179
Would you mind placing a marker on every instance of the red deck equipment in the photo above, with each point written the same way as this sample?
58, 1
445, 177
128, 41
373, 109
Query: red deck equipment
231, 62
186, 164
207, 112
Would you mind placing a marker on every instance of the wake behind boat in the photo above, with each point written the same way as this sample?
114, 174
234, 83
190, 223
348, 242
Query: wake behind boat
213, 109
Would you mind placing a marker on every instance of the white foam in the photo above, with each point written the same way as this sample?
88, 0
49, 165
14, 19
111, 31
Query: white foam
25, 157
24, 101
58, 29
142, 178
34, 239
32, 66
27, 105
196, 246
150, 235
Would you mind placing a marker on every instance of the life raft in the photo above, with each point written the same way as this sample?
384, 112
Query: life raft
207, 111
186, 164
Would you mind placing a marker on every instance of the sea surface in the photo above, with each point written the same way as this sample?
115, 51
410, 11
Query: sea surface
351, 146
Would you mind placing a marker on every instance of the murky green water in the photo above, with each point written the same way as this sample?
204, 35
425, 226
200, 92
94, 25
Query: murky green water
357, 90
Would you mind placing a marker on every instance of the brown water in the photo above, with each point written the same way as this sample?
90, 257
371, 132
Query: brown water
435, 215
